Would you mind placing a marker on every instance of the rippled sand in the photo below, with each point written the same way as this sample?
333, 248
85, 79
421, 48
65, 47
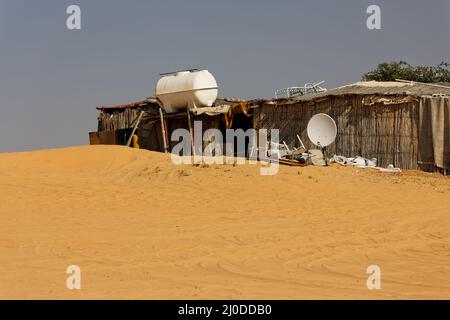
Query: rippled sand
141, 227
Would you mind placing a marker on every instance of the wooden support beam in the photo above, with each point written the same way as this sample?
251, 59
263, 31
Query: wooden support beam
134, 128
163, 130
191, 133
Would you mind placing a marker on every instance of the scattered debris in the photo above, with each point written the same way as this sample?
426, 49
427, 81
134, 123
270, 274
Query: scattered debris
363, 163
322, 131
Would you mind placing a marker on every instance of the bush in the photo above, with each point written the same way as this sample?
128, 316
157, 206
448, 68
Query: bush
403, 70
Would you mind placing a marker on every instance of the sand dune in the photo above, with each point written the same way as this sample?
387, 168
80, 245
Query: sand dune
140, 227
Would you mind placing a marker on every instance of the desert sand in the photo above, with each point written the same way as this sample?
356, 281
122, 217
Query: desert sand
140, 227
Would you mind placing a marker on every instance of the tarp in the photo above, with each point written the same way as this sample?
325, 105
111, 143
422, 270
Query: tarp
212, 111
434, 131
228, 110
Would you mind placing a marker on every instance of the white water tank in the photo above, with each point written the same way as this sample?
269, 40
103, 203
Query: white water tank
187, 89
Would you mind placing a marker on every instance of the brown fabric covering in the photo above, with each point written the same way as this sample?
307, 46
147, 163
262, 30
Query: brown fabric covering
434, 128
237, 108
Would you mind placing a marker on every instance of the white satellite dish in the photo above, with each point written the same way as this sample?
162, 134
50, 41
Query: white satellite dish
322, 130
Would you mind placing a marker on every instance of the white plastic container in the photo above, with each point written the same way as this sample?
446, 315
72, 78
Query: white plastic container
187, 89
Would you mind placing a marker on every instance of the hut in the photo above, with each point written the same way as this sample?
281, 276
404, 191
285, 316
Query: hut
115, 123
404, 124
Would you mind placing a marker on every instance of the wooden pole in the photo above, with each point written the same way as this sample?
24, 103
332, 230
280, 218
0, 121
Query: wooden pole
163, 130
191, 133
134, 128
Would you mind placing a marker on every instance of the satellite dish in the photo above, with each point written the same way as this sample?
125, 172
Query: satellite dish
322, 130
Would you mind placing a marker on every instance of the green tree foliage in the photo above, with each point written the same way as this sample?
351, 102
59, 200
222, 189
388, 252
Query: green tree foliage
403, 70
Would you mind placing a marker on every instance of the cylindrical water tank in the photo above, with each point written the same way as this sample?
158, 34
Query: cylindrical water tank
187, 89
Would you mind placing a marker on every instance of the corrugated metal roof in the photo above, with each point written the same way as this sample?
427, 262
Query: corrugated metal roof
359, 88
143, 103
153, 101
447, 84
379, 88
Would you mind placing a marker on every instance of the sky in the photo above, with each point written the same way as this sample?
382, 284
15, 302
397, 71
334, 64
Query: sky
52, 78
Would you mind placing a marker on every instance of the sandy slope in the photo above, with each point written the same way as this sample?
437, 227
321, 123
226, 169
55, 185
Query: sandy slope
140, 227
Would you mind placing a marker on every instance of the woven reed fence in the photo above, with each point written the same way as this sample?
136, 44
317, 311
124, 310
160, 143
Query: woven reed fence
123, 119
386, 132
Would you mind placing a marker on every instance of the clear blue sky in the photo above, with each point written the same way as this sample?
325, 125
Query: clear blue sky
51, 79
